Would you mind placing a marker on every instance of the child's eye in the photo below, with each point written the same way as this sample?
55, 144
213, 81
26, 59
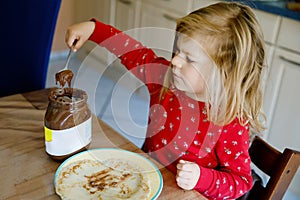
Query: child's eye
184, 56
188, 59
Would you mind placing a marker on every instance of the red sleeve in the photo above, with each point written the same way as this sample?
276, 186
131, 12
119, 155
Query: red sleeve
141, 61
232, 178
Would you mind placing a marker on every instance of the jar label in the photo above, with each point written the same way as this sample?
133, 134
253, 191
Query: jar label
67, 141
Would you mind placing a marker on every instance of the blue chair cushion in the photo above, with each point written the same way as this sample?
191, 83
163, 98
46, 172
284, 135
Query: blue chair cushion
26, 40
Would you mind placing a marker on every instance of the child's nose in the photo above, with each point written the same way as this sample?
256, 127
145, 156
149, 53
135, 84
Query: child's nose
177, 61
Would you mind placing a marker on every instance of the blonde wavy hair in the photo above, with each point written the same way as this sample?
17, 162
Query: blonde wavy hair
234, 41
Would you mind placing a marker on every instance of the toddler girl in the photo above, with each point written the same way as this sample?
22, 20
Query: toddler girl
202, 102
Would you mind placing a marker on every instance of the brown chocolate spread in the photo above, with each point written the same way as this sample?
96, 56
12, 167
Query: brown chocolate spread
67, 108
64, 77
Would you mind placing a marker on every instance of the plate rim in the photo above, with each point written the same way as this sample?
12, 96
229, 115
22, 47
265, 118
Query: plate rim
61, 165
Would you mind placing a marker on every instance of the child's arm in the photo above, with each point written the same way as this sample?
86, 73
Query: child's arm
140, 60
134, 56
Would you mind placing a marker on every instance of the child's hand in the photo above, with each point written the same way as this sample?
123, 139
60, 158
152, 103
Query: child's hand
188, 174
80, 32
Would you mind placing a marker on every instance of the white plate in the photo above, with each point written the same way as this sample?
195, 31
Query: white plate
155, 177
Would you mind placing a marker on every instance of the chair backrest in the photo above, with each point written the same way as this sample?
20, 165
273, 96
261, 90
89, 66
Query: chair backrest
281, 167
27, 29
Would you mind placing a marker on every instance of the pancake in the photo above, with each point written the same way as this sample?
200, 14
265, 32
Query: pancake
112, 179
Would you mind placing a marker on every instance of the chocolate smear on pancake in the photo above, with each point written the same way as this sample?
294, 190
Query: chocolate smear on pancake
112, 179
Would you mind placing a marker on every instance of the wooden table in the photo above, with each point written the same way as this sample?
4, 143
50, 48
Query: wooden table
26, 171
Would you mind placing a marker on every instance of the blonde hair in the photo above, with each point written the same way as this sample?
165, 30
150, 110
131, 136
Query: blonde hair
234, 41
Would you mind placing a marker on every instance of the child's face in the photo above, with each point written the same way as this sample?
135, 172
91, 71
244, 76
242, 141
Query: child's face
191, 68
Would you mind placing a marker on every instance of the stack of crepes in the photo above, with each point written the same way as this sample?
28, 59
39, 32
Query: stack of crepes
111, 179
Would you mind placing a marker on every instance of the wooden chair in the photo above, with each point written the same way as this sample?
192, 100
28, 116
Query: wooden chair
281, 167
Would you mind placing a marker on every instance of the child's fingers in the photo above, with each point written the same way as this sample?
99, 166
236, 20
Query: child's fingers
70, 38
185, 165
180, 164
77, 45
182, 180
74, 39
185, 174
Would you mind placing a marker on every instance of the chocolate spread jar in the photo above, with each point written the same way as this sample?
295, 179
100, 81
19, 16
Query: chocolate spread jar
67, 123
